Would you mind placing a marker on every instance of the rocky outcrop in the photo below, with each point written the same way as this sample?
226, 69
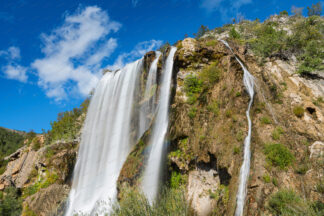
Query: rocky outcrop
21, 164
46, 200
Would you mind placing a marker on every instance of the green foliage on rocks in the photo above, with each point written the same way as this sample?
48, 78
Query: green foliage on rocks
177, 180
265, 120
43, 182
277, 133
210, 75
287, 203
268, 40
171, 201
213, 107
10, 202
192, 112
67, 125
278, 155
234, 34
9, 142
299, 111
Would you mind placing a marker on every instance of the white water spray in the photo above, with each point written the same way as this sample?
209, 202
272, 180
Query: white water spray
152, 173
248, 81
105, 143
107, 138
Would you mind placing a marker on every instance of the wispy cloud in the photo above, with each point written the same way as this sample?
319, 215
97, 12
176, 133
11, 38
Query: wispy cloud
12, 70
139, 50
135, 2
228, 9
74, 53
15, 72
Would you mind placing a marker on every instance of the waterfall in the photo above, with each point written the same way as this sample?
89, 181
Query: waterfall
148, 104
248, 81
152, 173
107, 137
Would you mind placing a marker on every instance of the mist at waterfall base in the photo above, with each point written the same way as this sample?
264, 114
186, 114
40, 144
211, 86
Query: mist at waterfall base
248, 81
112, 127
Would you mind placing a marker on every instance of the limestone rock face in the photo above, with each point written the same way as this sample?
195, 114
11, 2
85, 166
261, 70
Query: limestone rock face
201, 184
189, 46
47, 199
316, 149
19, 168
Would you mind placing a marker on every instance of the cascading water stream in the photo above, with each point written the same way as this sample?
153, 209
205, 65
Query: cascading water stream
107, 140
148, 103
152, 173
248, 81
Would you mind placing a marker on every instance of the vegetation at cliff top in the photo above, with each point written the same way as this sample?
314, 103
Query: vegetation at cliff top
9, 142
304, 39
67, 125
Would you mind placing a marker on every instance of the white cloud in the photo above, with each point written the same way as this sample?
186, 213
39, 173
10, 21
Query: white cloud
74, 53
13, 53
13, 70
139, 50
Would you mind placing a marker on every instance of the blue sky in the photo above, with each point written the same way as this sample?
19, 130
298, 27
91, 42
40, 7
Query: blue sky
52, 52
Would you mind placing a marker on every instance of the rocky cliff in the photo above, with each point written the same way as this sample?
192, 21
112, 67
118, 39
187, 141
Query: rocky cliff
208, 125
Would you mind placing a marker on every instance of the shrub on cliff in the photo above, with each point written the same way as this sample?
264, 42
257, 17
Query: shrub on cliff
287, 202
170, 202
210, 75
278, 155
315, 9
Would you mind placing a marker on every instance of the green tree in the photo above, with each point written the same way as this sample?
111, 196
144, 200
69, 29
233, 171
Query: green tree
315, 9
201, 31
10, 203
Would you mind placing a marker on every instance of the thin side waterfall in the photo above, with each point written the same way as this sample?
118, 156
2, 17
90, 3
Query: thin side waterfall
248, 81
148, 104
105, 143
152, 173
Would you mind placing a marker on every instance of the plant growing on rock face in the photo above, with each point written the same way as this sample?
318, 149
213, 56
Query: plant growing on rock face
192, 112
265, 120
287, 202
213, 107
193, 87
210, 75
234, 34
299, 111
170, 202
277, 133
278, 155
